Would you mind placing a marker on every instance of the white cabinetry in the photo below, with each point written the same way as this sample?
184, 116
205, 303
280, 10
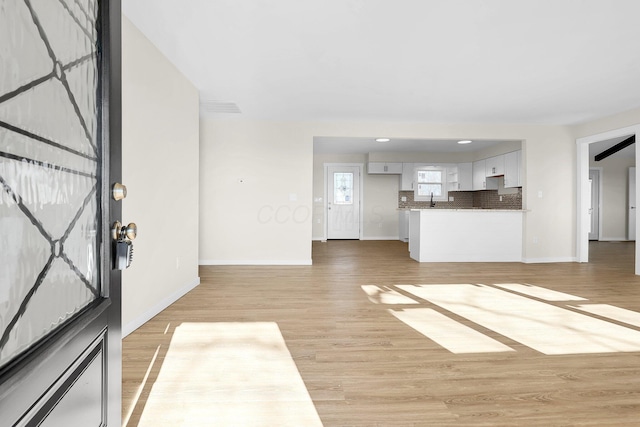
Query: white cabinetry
406, 181
465, 177
452, 178
479, 175
480, 180
403, 225
513, 169
384, 168
495, 165
460, 177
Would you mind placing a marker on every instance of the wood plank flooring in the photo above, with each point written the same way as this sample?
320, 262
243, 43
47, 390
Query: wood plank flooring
362, 366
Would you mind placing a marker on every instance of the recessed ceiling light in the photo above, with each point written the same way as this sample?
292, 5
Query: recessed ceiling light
382, 140
464, 141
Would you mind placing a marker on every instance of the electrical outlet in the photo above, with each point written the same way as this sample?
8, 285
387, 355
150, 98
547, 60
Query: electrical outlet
451, 198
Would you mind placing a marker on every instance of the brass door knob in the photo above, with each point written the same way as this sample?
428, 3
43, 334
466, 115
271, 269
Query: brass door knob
120, 232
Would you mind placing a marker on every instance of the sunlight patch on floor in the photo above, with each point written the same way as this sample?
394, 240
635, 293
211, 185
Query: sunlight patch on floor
544, 327
378, 295
611, 312
454, 336
538, 292
229, 374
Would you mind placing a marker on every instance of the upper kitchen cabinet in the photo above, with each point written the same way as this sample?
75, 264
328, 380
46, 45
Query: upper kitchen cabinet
465, 177
495, 166
406, 181
513, 169
384, 168
480, 181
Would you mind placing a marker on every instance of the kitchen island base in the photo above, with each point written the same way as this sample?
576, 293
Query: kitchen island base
465, 235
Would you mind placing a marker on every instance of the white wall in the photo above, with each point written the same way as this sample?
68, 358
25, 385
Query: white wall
277, 158
160, 169
255, 192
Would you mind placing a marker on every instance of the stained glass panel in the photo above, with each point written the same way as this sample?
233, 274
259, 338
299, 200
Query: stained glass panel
49, 167
343, 188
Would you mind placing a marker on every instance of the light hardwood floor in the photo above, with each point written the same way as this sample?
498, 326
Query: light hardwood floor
362, 366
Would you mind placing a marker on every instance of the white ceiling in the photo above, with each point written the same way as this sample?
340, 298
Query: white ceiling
439, 61
337, 145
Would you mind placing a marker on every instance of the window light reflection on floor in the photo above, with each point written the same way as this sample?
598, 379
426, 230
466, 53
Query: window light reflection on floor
229, 374
510, 310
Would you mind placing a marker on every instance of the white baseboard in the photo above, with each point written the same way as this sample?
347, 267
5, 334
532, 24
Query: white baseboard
381, 238
153, 311
613, 239
548, 260
254, 262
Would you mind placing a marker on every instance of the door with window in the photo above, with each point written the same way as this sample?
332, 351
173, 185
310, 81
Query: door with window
59, 159
343, 202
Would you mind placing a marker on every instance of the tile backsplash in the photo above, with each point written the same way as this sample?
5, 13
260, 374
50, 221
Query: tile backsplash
484, 199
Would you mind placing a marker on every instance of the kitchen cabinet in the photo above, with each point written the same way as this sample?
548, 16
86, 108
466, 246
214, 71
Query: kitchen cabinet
513, 169
403, 225
480, 180
460, 177
495, 166
406, 180
452, 178
384, 168
465, 177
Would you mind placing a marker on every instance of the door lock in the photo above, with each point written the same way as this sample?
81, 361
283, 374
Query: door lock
123, 236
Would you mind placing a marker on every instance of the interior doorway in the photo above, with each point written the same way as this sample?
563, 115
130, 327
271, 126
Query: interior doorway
583, 205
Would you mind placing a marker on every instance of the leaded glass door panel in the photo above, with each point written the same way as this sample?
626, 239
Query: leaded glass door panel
59, 150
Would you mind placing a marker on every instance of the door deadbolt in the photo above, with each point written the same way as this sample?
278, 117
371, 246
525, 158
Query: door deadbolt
118, 191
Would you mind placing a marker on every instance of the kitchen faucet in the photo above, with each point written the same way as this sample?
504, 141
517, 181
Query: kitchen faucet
432, 204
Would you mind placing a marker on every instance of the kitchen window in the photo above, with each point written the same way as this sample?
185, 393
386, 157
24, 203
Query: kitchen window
431, 181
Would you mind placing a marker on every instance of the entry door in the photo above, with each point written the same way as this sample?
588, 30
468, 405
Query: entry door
631, 229
59, 156
343, 202
594, 182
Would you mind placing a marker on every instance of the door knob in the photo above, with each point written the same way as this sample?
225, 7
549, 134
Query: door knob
126, 232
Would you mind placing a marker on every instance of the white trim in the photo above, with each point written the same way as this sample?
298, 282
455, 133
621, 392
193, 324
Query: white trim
381, 238
600, 170
253, 262
548, 260
582, 189
360, 167
156, 309
614, 239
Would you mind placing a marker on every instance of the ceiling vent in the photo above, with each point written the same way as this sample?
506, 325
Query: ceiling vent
219, 107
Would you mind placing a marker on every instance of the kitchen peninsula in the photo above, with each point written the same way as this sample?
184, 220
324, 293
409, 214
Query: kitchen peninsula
465, 235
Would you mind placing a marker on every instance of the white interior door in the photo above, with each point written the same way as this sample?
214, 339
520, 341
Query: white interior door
594, 210
343, 202
631, 229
